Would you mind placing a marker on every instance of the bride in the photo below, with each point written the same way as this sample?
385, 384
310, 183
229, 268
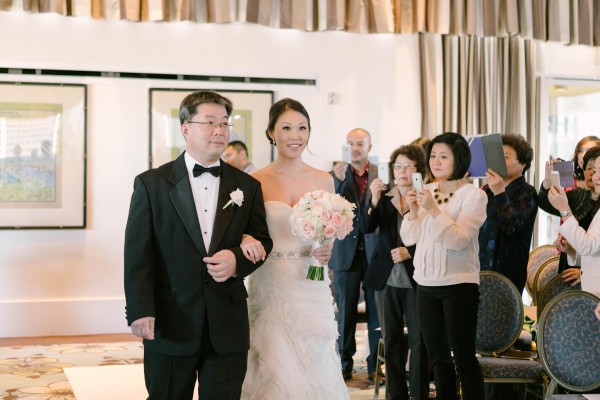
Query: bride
292, 325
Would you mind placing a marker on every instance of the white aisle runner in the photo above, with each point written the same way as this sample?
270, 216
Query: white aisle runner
114, 382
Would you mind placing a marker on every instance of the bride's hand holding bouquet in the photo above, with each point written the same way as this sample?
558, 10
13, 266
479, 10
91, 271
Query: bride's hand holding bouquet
321, 217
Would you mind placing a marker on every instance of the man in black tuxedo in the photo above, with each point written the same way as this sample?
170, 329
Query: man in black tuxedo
184, 268
349, 257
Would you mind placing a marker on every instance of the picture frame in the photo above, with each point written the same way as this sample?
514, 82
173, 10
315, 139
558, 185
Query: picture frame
250, 117
43, 139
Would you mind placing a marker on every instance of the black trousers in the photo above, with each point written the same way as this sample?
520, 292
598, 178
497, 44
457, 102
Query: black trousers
448, 316
346, 290
398, 306
220, 376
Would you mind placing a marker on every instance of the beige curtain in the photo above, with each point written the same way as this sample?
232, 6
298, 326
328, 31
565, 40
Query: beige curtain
474, 85
564, 21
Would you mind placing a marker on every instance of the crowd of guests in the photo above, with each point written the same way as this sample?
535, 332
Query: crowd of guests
414, 252
422, 270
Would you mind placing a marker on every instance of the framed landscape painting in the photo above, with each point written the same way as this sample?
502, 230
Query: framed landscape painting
42, 155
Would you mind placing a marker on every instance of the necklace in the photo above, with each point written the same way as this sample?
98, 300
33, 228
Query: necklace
438, 196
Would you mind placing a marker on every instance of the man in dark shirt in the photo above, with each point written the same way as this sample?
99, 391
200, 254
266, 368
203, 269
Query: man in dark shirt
350, 255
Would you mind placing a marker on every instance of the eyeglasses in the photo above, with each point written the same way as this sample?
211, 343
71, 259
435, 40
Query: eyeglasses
213, 125
404, 165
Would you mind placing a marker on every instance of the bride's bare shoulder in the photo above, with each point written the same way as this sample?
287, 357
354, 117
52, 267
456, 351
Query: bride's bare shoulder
322, 178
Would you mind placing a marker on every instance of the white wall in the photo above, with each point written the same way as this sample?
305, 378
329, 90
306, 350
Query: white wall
70, 282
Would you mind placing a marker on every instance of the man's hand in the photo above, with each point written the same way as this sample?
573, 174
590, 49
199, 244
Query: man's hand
222, 265
339, 169
143, 328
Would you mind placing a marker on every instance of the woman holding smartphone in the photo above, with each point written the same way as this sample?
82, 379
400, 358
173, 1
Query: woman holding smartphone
444, 222
390, 274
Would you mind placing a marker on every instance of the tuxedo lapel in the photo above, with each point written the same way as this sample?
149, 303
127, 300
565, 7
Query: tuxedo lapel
183, 201
223, 215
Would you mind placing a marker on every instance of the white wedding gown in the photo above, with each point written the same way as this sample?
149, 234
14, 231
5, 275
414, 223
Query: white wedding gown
292, 324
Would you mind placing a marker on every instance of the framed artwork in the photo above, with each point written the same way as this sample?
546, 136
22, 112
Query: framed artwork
42, 155
250, 117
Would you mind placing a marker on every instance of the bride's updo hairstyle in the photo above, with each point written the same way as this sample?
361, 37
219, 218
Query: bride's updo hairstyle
279, 108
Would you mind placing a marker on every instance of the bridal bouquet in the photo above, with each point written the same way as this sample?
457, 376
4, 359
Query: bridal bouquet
322, 217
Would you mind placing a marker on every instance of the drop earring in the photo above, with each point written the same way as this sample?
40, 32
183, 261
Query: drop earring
274, 143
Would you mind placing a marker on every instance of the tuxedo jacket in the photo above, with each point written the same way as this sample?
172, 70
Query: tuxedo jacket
344, 250
165, 276
385, 217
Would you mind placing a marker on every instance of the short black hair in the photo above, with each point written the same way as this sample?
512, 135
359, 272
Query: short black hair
521, 147
577, 169
460, 150
189, 105
238, 145
591, 155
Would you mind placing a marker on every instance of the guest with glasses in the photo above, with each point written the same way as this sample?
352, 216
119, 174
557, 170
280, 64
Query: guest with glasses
390, 274
184, 267
444, 222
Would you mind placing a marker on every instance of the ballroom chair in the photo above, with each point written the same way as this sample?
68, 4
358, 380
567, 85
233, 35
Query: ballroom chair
551, 289
543, 275
537, 257
569, 342
499, 324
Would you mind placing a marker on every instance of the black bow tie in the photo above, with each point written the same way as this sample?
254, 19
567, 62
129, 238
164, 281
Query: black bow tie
199, 170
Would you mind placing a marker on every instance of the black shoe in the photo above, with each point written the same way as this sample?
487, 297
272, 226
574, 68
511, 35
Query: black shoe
347, 375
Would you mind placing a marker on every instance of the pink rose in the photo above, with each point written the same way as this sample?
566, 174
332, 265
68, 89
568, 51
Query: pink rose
337, 219
329, 231
307, 230
325, 215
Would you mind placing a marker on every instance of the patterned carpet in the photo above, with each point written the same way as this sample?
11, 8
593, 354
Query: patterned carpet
36, 372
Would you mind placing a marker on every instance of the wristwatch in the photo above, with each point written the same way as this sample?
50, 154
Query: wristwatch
565, 213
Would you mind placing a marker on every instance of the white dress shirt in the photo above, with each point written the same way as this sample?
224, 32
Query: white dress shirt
205, 189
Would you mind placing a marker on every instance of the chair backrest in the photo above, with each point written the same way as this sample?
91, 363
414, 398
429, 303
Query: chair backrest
546, 271
537, 257
551, 289
500, 316
569, 340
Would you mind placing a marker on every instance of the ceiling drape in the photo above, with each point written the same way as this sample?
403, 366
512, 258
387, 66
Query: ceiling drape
563, 21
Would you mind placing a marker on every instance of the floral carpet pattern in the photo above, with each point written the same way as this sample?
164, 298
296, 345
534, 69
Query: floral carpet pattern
36, 372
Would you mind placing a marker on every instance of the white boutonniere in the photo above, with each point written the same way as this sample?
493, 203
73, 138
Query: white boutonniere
237, 198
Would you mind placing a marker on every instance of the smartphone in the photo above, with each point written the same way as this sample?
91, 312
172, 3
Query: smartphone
417, 181
555, 179
383, 173
565, 170
346, 153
